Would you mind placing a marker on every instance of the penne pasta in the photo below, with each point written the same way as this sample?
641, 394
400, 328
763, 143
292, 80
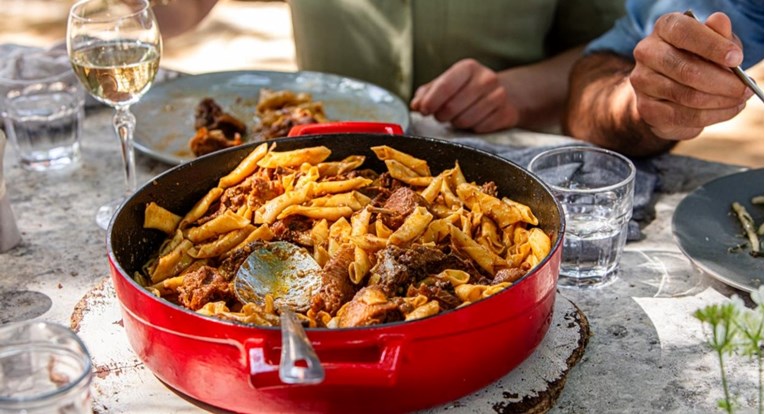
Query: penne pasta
369, 242
360, 265
483, 257
350, 163
223, 244
168, 286
173, 263
527, 215
334, 209
245, 168
428, 309
401, 172
414, 225
295, 158
343, 186
449, 199
540, 243
433, 189
456, 178
320, 233
317, 213
339, 233
455, 277
418, 166
269, 212
502, 213
224, 223
156, 217
490, 237
262, 233
201, 207
470, 293
353, 199
381, 230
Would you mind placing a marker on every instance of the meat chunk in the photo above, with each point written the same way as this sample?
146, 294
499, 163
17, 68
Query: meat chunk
263, 190
438, 292
282, 121
206, 141
490, 188
508, 275
279, 111
215, 129
381, 188
400, 204
204, 285
233, 198
369, 306
208, 114
397, 267
336, 285
295, 229
230, 265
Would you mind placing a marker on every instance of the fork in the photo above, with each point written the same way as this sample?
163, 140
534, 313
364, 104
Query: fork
748, 81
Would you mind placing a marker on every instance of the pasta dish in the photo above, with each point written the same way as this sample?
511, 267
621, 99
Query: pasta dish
396, 245
275, 114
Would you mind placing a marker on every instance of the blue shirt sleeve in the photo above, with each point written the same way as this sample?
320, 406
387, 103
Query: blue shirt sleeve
746, 17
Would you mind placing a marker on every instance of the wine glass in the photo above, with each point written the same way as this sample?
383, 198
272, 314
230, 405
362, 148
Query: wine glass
114, 47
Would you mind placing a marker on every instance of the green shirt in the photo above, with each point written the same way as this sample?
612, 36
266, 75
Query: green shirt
401, 44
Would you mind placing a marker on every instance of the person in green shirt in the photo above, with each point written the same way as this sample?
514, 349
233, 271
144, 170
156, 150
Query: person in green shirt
480, 65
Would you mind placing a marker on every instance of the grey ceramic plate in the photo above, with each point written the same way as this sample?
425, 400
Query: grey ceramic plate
705, 228
165, 115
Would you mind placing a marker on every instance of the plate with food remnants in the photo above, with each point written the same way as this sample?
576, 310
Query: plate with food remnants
719, 227
190, 116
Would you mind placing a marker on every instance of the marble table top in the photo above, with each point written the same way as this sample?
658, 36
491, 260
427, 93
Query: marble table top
646, 352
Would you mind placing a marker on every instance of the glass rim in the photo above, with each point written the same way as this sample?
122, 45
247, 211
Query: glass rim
73, 12
84, 376
585, 148
66, 71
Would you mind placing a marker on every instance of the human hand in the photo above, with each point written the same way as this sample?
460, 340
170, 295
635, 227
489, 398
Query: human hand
682, 78
469, 96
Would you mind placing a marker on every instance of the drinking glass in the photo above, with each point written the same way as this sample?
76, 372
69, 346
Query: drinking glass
596, 188
114, 47
44, 368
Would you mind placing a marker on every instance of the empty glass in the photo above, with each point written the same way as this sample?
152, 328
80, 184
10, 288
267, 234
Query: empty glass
42, 104
44, 368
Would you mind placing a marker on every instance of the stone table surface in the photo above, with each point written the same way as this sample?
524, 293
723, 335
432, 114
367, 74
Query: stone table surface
646, 353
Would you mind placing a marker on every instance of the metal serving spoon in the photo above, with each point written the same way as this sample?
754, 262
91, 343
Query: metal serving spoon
291, 276
737, 69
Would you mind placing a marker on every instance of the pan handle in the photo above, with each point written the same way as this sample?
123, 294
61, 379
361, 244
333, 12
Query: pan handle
381, 371
346, 127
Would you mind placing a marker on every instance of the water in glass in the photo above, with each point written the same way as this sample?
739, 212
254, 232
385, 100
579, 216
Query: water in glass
44, 129
594, 238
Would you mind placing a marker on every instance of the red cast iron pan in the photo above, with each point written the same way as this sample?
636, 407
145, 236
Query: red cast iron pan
387, 368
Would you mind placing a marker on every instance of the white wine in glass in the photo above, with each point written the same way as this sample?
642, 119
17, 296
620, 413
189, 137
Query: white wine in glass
114, 47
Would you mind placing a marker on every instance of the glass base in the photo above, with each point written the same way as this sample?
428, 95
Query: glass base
106, 212
587, 282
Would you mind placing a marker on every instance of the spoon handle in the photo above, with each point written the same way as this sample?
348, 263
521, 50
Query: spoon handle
299, 363
748, 81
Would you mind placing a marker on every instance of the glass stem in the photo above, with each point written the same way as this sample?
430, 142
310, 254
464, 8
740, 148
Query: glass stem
124, 125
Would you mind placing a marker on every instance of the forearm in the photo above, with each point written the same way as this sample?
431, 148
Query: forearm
601, 108
176, 17
539, 90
